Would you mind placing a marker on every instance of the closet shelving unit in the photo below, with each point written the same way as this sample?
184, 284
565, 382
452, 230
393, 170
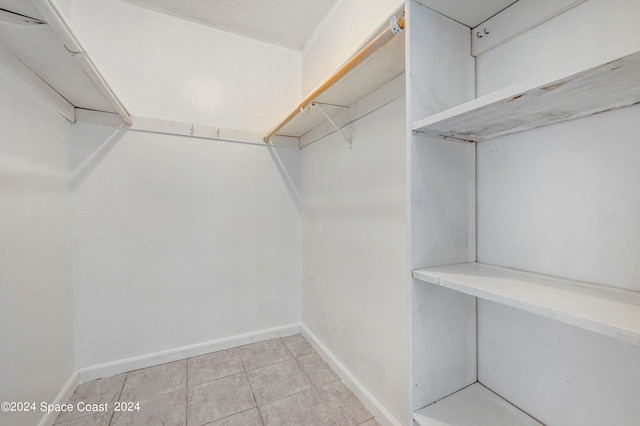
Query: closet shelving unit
551, 99
606, 310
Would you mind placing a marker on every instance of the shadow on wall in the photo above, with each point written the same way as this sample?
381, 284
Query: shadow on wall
21, 173
88, 154
292, 182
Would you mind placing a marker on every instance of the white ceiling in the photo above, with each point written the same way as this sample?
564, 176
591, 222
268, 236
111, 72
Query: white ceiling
290, 23
468, 12
287, 23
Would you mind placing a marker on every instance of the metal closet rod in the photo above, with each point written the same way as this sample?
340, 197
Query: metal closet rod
60, 26
370, 48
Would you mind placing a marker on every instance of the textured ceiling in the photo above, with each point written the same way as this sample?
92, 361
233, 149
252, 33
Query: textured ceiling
287, 23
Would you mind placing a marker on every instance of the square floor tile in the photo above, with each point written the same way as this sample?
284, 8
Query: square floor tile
261, 354
169, 409
277, 381
246, 418
298, 345
218, 399
148, 382
305, 408
317, 369
205, 368
345, 405
98, 391
95, 419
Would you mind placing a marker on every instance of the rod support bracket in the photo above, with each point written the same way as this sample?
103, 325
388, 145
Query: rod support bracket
333, 123
396, 25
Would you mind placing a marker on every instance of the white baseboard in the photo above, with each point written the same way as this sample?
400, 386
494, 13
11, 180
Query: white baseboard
149, 360
373, 405
62, 397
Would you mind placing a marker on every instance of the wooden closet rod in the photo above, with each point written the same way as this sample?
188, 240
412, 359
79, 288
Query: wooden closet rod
369, 49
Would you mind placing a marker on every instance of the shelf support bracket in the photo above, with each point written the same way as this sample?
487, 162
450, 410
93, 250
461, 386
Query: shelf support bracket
333, 123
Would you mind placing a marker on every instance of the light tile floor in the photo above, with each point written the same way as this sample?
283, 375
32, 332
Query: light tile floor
276, 382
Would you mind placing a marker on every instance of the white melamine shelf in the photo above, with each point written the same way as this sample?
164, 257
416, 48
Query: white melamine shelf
549, 100
605, 310
474, 405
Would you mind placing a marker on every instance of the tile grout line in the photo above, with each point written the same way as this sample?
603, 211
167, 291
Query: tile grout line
165, 392
224, 376
186, 393
266, 365
313, 385
338, 379
253, 394
55, 421
231, 415
331, 369
297, 360
113, 414
294, 358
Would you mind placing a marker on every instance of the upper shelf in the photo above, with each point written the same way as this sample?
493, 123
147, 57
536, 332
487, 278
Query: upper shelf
44, 54
610, 311
520, 107
379, 62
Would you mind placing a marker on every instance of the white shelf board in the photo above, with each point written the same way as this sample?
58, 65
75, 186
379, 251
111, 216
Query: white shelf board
606, 310
474, 405
40, 49
548, 100
374, 72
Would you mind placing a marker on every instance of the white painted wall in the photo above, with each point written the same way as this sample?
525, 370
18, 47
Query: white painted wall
561, 374
180, 241
592, 33
349, 24
562, 200
36, 278
168, 68
354, 252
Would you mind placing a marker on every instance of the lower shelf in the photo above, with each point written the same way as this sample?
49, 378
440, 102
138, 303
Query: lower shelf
610, 311
474, 405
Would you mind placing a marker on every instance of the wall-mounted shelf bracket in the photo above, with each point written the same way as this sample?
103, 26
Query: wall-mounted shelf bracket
333, 123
